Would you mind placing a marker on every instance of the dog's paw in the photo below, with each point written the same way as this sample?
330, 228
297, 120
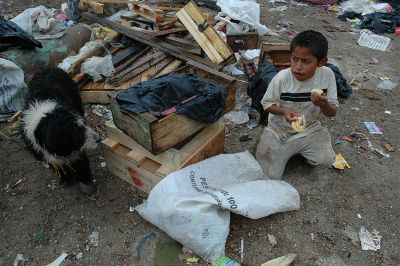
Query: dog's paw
87, 189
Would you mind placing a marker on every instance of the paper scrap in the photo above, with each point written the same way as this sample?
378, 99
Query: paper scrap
389, 147
373, 128
373, 41
369, 241
340, 163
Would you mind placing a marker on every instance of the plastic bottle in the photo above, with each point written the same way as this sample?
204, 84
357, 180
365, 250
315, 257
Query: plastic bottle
226, 261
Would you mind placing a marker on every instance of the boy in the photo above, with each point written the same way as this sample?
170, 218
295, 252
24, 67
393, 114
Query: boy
288, 97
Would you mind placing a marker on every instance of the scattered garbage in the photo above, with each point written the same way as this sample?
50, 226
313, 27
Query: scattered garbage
103, 164
378, 151
355, 109
369, 241
241, 250
142, 241
19, 260
373, 41
94, 238
340, 163
386, 85
12, 88
98, 67
59, 260
101, 111
278, 9
251, 54
193, 204
373, 128
389, 147
131, 209
40, 22
387, 112
237, 117
281, 261
352, 234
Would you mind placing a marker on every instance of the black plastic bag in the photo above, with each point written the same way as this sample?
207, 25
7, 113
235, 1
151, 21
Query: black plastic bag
160, 94
11, 35
343, 89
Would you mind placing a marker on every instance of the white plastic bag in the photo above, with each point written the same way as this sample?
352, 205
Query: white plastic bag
87, 48
193, 204
246, 12
12, 88
96, 67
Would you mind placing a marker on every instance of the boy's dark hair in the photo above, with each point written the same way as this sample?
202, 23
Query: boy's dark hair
314, 41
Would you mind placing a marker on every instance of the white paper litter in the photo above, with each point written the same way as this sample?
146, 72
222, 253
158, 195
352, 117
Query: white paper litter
60, 259
373, 128
369, 241
386, 85
237, 117
251, 54
233, 70
373, 41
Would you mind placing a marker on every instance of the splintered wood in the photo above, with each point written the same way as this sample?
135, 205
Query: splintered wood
205, 35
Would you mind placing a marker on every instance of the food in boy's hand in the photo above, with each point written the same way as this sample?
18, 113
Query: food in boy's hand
317, 91
300, 124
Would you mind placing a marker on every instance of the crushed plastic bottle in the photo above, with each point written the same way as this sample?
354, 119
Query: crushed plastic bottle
226, 261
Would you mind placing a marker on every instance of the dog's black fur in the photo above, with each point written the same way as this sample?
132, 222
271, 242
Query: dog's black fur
54, 130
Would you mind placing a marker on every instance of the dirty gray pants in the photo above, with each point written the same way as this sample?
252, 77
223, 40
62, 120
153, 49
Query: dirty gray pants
273, 154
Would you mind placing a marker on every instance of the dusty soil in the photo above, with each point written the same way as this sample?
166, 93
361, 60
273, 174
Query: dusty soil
40, 220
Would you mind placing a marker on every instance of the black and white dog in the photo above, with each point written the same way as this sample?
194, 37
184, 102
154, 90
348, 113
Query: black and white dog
54, 128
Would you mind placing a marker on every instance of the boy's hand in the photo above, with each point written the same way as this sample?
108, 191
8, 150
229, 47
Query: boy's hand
290, 116
319, 100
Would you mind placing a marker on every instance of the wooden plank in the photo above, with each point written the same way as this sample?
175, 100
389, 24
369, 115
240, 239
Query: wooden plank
140, 66
182, 126
94, 97
200, 38
152, 41
113, 1
95, 7
210, 32
110, 143
167, 32
170, 68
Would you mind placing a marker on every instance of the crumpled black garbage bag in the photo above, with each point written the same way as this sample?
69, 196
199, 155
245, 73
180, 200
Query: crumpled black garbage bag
381, 22
258, 85
167, 91
343, 89
11, 35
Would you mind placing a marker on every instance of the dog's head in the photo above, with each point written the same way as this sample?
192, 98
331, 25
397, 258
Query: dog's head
58, 131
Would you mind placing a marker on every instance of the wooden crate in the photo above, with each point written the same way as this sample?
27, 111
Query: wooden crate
158, 135
128, 160
277, 53
245, 41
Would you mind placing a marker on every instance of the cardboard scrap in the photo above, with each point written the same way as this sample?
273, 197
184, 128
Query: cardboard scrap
389, 147
340, 163
281, 261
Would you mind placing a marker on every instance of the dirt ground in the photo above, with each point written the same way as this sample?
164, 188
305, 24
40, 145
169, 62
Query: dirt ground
40, 219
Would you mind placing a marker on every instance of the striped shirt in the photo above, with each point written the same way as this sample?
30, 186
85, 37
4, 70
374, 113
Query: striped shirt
287, 92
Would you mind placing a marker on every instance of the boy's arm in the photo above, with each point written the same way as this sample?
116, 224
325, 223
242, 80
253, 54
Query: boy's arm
327, 109
276, 110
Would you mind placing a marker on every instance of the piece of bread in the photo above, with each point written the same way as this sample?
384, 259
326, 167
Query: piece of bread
317, 91
300, 124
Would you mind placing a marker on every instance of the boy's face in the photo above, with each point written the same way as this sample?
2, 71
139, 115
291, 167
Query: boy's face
304, 63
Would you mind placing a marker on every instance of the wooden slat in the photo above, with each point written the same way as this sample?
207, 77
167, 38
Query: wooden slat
155, 42
110, 143
170, 68
200, 38
94, 97
210, 32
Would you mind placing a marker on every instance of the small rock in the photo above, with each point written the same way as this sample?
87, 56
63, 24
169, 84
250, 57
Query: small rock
19, 260
94, 238
79, 256
375, 61
272, 240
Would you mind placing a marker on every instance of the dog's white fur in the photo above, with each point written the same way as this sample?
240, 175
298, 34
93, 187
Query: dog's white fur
31, 118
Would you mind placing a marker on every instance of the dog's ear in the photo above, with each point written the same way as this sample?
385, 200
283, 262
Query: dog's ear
60, 134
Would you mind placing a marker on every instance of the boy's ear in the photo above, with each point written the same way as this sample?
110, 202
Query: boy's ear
323, 62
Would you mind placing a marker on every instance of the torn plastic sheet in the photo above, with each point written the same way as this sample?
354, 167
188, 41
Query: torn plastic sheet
244, 11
